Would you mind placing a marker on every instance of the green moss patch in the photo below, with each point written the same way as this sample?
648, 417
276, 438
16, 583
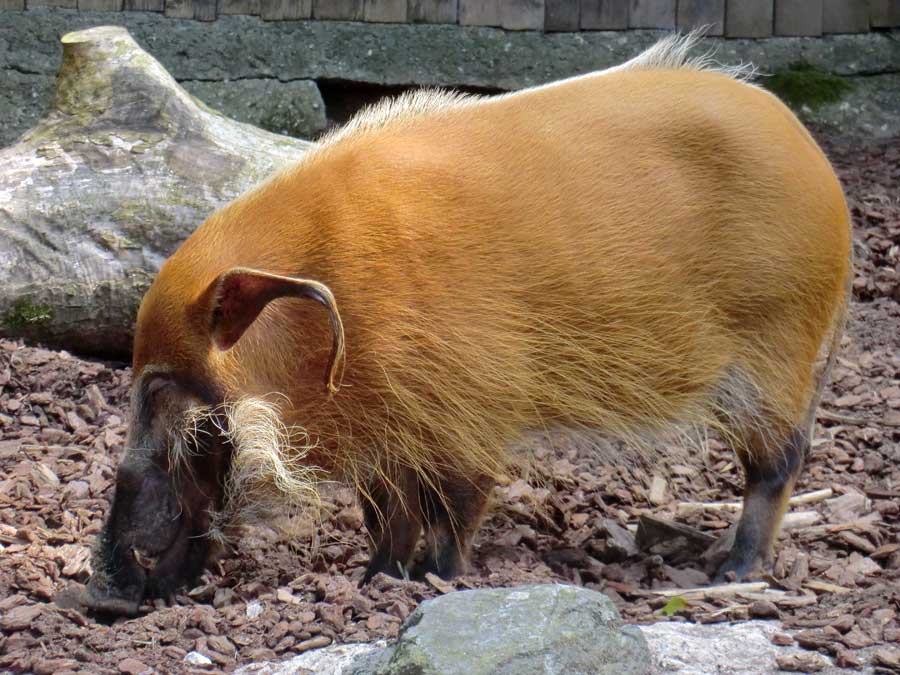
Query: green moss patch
24, 314
805, 85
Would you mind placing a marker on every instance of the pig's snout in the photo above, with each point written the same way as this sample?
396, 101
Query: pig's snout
143, 534
145, 517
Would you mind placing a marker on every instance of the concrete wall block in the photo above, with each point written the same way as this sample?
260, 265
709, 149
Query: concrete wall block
604, 14
749, 18
100, 5
179, 9
17, 5
798, 17
884, 13
845, 16
385, 11
204, 10
65, 4
285, 10
433, 11
522, 14
562, 15
238, 7
480, 12
652, 14
708, 14
144, 5
338, 10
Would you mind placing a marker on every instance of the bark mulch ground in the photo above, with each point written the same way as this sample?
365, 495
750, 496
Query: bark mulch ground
835, 584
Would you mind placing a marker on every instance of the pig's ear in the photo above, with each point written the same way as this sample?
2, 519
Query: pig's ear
240, 294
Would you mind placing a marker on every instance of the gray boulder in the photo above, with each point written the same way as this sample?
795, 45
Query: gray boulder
94, 197
743, 648
528, 630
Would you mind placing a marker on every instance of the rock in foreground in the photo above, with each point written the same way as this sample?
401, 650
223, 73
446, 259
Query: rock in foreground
548, 629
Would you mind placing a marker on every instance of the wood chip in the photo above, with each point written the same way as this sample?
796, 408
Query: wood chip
782, 639
671, 540
313, 643
884, 552
657, 494
20, 618
848, 506
439, 584
285, 595
888, 657
825, 587
805, 662
857, 542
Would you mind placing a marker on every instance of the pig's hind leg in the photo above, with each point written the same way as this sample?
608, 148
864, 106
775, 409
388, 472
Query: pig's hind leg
769, 477
771, 434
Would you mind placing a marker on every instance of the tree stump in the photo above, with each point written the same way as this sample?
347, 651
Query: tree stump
93, 199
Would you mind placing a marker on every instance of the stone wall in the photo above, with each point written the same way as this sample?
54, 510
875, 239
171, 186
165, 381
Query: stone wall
731, 18
274, 74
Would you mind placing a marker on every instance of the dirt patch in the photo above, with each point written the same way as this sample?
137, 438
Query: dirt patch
836, 579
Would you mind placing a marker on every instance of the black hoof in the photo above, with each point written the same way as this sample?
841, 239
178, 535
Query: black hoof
732, 571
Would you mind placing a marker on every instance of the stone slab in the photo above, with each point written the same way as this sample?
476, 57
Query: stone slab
522, 14
562, 15
144, 5
798, 17
390, 11
843, 16
100, 5
204, 10
239, 7
659, 14
604, 14
706, 14
433, 11
179, 9
64, 4
480, 12
338, 10
284, 10
884, 13
750, 18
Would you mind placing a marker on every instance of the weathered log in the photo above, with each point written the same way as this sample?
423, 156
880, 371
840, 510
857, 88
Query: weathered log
92, 200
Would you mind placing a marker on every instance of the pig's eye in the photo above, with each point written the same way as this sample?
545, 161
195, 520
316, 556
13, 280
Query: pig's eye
194, 435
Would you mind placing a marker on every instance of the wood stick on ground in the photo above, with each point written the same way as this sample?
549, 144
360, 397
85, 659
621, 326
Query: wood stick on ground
825, 587
723, 591
806, 498
799, 519
863, 524
850, 419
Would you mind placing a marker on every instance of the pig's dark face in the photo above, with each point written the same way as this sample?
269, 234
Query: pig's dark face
156, 537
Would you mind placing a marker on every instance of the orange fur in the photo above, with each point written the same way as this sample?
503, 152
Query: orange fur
605, 252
